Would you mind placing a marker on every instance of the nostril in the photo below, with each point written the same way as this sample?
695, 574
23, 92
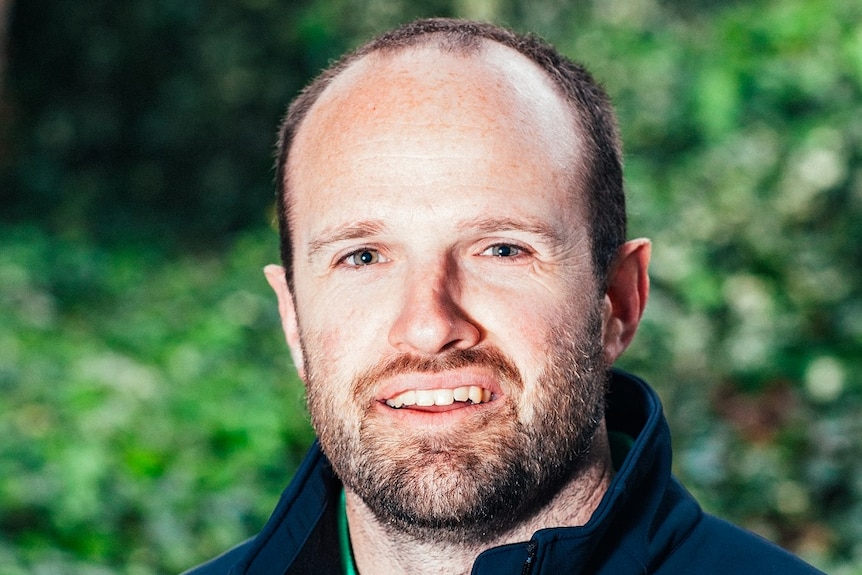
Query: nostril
433, 329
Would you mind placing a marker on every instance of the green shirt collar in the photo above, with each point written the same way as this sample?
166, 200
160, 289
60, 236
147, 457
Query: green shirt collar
344, 537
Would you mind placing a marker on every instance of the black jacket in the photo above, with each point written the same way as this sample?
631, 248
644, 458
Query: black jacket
646, 522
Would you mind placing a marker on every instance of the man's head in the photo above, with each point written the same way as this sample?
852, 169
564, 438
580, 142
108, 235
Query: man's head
446, 310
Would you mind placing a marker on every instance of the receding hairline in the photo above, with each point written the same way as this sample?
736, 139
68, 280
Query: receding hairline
539, 111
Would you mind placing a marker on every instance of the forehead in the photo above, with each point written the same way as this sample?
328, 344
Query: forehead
494, 91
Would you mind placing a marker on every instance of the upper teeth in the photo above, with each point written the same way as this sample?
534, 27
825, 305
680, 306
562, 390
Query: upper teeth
429, 397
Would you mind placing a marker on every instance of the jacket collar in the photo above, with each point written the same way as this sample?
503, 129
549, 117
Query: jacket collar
644, 513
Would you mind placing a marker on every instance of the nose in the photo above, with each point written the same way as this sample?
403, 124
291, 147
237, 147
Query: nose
431, 320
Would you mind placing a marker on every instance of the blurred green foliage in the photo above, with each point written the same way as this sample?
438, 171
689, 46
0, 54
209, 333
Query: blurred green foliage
149, 410
149, 414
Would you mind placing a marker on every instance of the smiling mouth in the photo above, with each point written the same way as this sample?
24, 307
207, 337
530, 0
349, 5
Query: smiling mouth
470, 395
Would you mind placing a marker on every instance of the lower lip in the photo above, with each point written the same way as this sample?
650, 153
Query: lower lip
433, 415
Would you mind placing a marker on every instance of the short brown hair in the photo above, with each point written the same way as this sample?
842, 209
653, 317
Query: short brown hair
588, 101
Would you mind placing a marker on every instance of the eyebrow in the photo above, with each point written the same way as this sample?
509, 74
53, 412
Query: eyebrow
491, 225
341, 233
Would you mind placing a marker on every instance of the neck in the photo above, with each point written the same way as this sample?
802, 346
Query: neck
378, 550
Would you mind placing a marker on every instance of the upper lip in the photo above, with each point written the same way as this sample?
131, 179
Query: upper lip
453, 379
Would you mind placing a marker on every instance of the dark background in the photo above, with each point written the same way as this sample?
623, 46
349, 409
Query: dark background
149, 414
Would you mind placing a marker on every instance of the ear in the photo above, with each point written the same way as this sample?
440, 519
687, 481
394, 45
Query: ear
626, 297
278, 282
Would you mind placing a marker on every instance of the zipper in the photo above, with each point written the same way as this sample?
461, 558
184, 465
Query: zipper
532, 547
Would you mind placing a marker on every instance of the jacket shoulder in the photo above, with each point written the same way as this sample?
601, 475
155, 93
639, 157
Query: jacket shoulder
222, 564
716, 546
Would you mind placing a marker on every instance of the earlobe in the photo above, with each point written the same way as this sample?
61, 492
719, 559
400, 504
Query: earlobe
626, 297
278, 282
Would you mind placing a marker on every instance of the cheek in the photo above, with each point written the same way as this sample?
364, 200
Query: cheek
521, 328
331, 315
340, 339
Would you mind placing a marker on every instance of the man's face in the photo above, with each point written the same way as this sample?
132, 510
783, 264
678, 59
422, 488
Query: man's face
446, 304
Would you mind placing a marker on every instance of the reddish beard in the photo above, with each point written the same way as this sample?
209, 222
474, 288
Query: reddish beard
490, 473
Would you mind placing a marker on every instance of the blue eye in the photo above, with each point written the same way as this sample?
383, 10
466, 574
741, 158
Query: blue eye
363, 257
502, 251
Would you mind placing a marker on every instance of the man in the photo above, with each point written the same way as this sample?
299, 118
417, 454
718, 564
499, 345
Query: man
456, 287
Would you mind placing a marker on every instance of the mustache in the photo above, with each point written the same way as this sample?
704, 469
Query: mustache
489, 357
